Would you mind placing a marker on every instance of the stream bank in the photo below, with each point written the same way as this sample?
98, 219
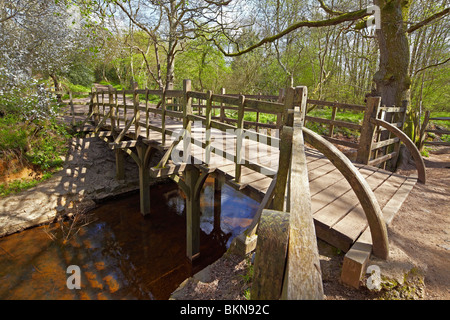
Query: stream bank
87, 177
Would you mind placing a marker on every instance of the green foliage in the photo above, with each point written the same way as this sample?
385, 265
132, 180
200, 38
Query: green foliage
20, 185
13, 136
81, 74
48, 147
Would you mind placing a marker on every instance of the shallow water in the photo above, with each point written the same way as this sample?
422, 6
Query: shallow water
121, 254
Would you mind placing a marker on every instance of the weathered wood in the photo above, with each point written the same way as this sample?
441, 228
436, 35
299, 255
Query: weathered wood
418, 160
303, 279
379, 160
192, 175
271, 252
361, 188
72, 108
167, 170
337, 123
368, 130
385, 143
208, 127
293, 97
356, 259
239, 139
337, 105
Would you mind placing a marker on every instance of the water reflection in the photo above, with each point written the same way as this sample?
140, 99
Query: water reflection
122, 255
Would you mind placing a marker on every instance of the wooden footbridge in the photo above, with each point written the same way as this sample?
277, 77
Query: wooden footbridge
306, 186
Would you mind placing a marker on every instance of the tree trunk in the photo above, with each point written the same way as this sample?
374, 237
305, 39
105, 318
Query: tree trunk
393, 79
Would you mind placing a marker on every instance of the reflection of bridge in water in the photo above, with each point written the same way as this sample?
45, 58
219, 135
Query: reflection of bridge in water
346, 204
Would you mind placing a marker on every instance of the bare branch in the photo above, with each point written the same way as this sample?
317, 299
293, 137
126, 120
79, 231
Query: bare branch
428, 20
328, 10
432, 66
350, 16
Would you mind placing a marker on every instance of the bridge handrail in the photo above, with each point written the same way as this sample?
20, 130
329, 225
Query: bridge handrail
418, 160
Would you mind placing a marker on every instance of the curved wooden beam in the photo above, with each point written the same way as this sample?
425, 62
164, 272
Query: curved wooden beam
200, 182
361, 188
418, 160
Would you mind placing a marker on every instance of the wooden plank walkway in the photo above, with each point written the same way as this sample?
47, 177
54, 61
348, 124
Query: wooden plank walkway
338, 216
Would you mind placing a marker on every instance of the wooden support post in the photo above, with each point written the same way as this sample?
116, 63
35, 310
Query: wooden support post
293, 97
401, 119
271, 252
239, 139
192, 175
112, 108
222, 107
72, 109
125, 109
144, 179
333, 117
163, 119
368, 130
208, 128
116, 107
147, 115
187, 123
137, 113
95, 108
303, 279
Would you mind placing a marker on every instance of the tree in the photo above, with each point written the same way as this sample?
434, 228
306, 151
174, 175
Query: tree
169, 26
393, 81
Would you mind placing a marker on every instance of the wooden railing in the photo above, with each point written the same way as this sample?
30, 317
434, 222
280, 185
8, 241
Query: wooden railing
287, 264
332, 123
424, 131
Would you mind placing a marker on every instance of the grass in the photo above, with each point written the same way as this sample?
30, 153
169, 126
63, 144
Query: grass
39, 145
19, 185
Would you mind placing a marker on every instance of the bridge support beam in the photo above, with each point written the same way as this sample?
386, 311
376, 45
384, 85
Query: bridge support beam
120, 164
144, 153
192, 176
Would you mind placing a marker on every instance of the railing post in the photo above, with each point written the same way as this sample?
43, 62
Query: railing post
333, 117
208, 128
292, 99
95, 107
72, 109
368, 130
147, 114
137, 113
239, 139
112, 108
222, 107
125, 109
163, 118
187, 122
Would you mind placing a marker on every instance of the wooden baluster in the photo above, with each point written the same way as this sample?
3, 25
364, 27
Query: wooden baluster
111, 107
208, 128
239, 138
333, 117
222, 108
125, 111
187, 123
72, 109
147, 114
137, 113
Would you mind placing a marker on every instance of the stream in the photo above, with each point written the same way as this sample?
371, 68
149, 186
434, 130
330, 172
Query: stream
120, 253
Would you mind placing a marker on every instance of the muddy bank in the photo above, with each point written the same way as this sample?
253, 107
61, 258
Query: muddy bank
88, 177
